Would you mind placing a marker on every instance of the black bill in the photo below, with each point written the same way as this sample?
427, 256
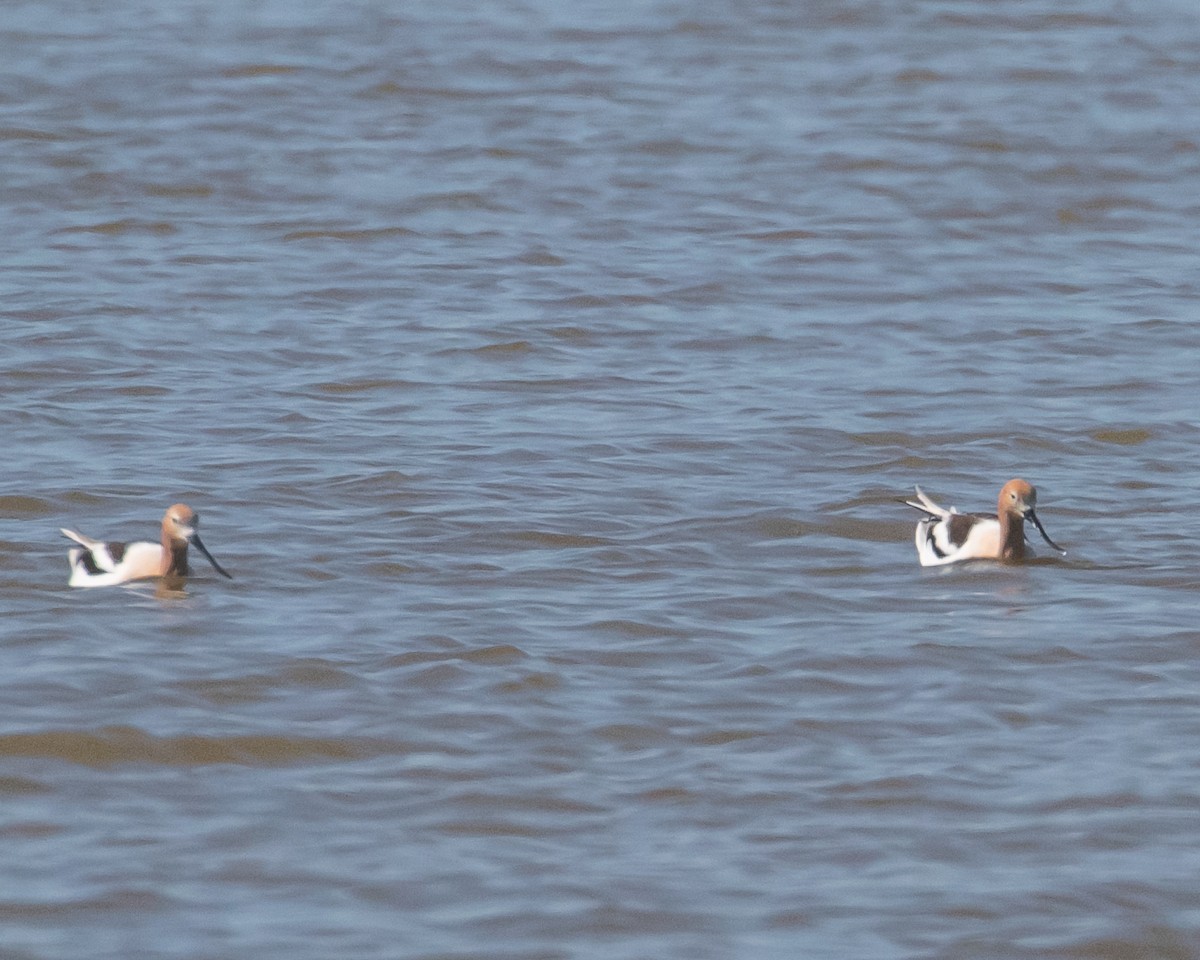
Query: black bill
221, 570
1036, 522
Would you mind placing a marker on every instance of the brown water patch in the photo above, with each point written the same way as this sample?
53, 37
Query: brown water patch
779, 528
559, 541
27, 133
317, 674
260, 70
389, 571
1126, 438
489, 828
498, 653
24, 830
349, 236
178, 190
361, 386
534, 682
632, 736
127, 225
112, 746
14, 786
541, 258
718, 738
781, 236
134, 900
142, 391
504, 349
670, 795
18, 506
919, 75
231, 690
633, 629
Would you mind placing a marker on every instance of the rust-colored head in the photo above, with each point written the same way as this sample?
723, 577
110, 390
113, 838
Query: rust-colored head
179, 524
1018, 501
179, 528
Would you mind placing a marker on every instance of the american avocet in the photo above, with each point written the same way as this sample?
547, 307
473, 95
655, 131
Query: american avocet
947, 536
105, 564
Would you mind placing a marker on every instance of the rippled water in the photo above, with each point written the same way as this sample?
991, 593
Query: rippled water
547, 376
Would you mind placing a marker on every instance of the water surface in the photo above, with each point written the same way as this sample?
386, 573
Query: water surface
547, 377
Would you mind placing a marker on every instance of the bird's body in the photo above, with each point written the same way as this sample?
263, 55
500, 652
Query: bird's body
95, 563
947, 536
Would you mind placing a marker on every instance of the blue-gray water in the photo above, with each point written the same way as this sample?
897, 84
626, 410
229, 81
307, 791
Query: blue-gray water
547, 375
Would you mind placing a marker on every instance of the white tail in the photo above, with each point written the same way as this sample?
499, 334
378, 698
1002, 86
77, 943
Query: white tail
928, 506
79, 538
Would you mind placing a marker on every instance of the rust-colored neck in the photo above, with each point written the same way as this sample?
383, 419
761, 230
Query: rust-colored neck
1012, 536
174, 562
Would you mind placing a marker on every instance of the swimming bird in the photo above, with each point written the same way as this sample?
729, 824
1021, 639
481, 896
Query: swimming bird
947, 536
97, 564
